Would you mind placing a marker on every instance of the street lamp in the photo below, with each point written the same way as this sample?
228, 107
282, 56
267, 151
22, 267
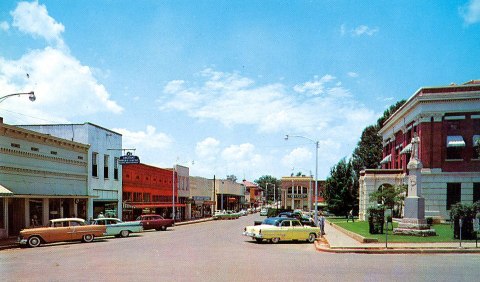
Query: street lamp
31, 96
316, 171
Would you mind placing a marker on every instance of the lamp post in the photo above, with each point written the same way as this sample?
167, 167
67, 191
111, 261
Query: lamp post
316, 171
173, 192
266, 192
31, 96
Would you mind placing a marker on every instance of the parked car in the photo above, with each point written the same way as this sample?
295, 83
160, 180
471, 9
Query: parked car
242, 212
283, 229
155, 221
61, 230
226, 215
304, 219
118, 228
264, 212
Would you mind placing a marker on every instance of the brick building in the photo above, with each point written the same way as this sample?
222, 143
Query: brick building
149, 189
447, 121
298, 192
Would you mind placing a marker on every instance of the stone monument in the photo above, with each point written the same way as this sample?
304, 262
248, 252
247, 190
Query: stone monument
414, 222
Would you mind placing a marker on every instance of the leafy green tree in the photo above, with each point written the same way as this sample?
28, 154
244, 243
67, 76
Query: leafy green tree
262, 182
368, 152
232, 178
340, 192
388, 112
391, 197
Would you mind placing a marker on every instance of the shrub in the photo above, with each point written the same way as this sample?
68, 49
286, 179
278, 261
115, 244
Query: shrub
466, 212
429, 220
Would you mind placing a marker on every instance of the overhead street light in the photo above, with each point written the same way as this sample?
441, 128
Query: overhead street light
31, 96
316, 171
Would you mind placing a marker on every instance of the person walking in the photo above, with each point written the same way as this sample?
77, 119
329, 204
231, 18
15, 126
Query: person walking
350, 216
321, 224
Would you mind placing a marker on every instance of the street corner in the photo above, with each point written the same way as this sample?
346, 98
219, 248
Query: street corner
322, 245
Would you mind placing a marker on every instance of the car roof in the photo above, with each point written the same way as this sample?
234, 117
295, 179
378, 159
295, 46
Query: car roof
67, 219
107, 218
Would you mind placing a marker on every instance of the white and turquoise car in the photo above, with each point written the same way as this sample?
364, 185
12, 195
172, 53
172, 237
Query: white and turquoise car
118, 228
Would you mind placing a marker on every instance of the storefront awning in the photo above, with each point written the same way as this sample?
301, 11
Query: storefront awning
455, 141
4, 191
153, 205
407, 149
386, 159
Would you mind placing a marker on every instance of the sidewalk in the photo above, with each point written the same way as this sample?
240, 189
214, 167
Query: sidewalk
11, 242
337, 241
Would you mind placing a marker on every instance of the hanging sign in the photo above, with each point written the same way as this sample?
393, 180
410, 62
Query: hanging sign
129, 159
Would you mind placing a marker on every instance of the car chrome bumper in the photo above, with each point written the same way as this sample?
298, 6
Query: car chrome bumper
253, 235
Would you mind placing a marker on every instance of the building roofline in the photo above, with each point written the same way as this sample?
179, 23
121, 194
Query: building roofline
74, 124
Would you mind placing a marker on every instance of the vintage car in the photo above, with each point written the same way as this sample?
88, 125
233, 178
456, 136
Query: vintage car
304, 219
60, 230
281, 229
155, 221
226, 215
118, 228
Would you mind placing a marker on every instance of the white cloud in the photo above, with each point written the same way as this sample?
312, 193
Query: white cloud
32, 18
352, 74
297, 157
144, 140
364, 30
359, 30
4, 26
207, 148
64, 87
471, 12
314, 87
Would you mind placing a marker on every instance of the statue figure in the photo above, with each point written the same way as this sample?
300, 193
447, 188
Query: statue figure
415, 143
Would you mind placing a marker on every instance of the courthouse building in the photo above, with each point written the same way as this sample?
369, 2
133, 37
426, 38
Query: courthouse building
447, 121
298, 192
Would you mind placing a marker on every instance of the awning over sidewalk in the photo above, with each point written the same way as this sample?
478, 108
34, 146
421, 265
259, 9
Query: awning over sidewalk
154, 205
5, 192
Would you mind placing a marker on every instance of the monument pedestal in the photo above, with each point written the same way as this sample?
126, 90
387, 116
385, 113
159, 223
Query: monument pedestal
414, 222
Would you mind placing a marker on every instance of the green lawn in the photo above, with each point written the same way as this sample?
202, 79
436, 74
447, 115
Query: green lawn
444, 232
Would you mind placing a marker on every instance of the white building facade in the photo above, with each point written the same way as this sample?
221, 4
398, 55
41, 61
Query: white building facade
104, 174
42, 177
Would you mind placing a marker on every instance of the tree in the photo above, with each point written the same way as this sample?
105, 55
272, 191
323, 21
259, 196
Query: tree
391, 197
388, 112
232, 178
262, 182
340, 192
368, 152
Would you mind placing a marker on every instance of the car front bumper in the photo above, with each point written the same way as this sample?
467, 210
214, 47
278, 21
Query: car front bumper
253, 235
21, 241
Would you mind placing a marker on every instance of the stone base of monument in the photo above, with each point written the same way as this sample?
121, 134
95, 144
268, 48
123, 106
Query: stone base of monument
414, 227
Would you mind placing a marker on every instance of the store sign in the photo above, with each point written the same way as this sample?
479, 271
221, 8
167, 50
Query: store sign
297, 196
129, 159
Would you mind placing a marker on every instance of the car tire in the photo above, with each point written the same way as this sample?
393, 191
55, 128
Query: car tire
311, 237
275, 240
34, 241
259, 240
124, 233
163, 228
88, 238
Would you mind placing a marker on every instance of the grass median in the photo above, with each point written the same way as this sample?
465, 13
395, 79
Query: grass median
444, 232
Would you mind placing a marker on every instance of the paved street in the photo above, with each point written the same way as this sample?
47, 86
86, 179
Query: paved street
216, 251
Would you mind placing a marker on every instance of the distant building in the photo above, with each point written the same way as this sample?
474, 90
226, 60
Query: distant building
202, 195
42, 177
104, 177
298, 192
447, 121
253, 194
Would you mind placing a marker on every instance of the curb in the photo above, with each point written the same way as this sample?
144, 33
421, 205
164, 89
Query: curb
405, 250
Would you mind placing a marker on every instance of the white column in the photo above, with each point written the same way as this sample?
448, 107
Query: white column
46, 211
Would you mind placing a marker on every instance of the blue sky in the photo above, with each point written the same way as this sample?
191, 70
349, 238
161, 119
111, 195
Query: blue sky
220, 83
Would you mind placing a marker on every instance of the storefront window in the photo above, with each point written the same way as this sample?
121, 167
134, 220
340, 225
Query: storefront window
36, 211
81, 208
54, 205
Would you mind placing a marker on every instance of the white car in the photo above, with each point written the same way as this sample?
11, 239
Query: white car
263, 211
118, 228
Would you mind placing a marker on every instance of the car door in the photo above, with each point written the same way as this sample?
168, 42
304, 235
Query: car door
297, 231
74, 230
285, 230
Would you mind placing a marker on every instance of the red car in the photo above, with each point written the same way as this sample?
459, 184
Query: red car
155, 221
